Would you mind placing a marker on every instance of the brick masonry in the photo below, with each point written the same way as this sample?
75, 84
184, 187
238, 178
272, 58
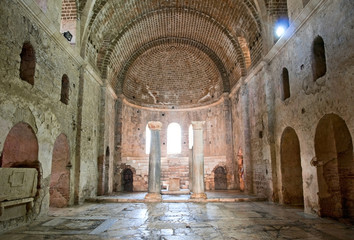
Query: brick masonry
173, 56
217, 135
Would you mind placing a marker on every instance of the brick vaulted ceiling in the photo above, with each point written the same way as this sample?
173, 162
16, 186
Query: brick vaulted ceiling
172, 52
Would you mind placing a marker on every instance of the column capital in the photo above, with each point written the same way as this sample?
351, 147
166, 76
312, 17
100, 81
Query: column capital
198, 125
155, 125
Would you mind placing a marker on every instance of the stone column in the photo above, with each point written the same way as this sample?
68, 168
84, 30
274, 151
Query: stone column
154, 188
198, 161
190, 169
247, 162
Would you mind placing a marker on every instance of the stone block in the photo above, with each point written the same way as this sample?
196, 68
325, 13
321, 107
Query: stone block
174, 184
17, 183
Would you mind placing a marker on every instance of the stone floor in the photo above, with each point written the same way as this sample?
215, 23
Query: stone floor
212, 196
172, 221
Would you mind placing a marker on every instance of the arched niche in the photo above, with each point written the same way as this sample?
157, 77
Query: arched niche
335, 167
28, 63
60, 176
319, 65
291, 171
20, 148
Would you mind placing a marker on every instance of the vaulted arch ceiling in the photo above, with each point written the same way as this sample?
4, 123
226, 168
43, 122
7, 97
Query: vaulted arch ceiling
120, 33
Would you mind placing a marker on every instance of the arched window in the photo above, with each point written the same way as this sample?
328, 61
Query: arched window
65, 86
28, 63
68, 20
173, 138
319, 67
285, 84
190, 136
147, 140
278, 12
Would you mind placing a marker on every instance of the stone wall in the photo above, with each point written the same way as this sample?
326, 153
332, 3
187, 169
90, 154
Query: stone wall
309, 100
39, 105
217, 142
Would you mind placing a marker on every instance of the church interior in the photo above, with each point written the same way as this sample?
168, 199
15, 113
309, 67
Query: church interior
109, 106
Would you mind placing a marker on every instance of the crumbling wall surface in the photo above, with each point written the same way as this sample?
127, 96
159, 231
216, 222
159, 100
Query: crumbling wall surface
39, 104
309, 100
217, 141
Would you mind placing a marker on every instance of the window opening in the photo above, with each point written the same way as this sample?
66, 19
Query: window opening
173, 138
190, 136
147, 140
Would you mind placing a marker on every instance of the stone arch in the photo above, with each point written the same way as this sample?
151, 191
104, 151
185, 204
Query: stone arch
21, 149
28, 63
291, 171
220, 177
60, 175
335, 167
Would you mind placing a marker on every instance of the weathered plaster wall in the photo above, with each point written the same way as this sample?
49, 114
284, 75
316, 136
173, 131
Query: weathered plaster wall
39, 105
89, 137
309, 101
106, 147
52, 9
217, 142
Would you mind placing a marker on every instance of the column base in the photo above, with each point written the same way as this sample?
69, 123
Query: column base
198, 196
153, 197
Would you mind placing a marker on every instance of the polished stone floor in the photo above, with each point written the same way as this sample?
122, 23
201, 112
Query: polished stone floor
172, 221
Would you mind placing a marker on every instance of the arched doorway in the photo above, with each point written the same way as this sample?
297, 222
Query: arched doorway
128, 180
60, 178
220, 179
291, 170
335, 167
21, 148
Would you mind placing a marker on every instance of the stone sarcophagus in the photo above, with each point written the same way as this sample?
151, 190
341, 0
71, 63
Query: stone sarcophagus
18, 187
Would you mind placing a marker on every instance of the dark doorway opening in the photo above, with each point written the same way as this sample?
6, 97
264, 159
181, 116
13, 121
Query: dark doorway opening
220, 179
128, 180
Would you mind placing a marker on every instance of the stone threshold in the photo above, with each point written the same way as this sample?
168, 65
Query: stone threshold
178, 192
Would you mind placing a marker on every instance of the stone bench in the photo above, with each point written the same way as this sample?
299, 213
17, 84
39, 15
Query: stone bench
18, 189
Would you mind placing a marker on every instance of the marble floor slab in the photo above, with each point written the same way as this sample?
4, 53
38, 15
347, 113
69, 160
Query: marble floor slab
172, 221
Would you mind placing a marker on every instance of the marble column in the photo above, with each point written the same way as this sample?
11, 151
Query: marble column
190, 169
154, 183
198, 161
